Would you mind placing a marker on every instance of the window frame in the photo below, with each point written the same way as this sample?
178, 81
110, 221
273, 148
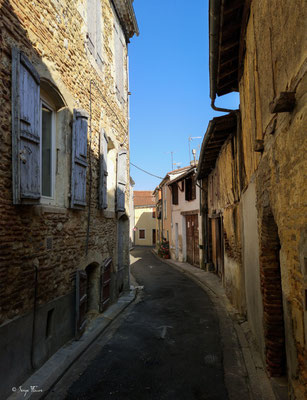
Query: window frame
143, 230
45, 103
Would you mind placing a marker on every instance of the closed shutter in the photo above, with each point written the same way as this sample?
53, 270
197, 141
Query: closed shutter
193, 194
121, 180
25, 130
119, 61
103, 190
79, 159
81, 303
91, 26
105, 284
99, 58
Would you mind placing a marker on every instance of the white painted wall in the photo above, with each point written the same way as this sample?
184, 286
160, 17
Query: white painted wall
182, 206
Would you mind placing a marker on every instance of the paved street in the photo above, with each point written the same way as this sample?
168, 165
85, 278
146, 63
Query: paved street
165, 346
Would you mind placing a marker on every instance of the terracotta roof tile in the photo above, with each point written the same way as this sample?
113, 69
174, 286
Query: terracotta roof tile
143, 198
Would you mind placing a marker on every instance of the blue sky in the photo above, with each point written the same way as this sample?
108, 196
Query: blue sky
169, 82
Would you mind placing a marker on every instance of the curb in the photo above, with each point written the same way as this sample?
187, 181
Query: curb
245, 377
38, 385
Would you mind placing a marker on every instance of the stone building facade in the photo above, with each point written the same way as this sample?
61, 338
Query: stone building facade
253, 172
64, 172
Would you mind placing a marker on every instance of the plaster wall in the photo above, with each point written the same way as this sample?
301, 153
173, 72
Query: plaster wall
251, 265
144, 220
178, 218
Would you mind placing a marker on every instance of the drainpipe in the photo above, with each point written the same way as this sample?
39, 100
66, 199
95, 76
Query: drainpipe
34, 317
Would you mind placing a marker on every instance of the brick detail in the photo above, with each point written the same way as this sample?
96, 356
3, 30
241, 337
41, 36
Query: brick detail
272, 296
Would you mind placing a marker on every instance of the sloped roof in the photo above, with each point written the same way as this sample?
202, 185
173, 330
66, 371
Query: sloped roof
143, 198
226, 19
218, 131
125, 12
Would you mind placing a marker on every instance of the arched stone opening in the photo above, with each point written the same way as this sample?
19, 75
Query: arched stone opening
270, 275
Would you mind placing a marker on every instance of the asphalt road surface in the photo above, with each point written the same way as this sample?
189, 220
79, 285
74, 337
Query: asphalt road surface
164, 347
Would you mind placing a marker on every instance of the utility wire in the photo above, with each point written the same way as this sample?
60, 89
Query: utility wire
159, 177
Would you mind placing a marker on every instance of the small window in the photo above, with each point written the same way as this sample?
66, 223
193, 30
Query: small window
153, 213
190, 189
141, 233
174, 194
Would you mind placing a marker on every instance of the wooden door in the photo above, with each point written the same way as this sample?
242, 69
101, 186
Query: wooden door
192, 237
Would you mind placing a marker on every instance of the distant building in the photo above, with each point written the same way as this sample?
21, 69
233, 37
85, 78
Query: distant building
184, 243
144, 218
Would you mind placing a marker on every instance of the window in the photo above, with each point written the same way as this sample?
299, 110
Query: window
34, 156
94, 31
174, 193
141, 233
190, 189
154, 213
47, 149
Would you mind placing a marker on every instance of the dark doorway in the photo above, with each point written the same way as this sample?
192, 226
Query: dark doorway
217, 244
153, 237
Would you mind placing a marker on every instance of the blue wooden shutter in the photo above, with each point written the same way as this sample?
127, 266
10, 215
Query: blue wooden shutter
25, 130
119, 61
103, 193
79, 159
121, 180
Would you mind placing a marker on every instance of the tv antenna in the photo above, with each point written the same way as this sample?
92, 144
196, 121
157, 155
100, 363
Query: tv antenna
189, 140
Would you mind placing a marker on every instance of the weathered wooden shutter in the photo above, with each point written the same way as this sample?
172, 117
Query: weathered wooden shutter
121, 180
103, 190
105, 284
25, 130
79, 159
99, 58
81, 303
91, 26
119, 61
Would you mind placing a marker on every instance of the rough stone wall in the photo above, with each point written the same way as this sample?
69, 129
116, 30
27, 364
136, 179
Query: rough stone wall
275, 61
52, 33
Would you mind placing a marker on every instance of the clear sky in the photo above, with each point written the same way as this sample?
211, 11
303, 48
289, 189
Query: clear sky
169, 84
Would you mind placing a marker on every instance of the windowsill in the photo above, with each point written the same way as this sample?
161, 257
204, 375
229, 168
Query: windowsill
109, 214
48, 209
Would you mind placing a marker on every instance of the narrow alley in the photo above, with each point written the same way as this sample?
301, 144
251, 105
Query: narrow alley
166, 347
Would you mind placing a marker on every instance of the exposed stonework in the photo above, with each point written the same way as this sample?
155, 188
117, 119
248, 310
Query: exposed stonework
50, 236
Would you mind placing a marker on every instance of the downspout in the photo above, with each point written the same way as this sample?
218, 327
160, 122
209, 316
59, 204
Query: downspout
34, 317
90, 176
